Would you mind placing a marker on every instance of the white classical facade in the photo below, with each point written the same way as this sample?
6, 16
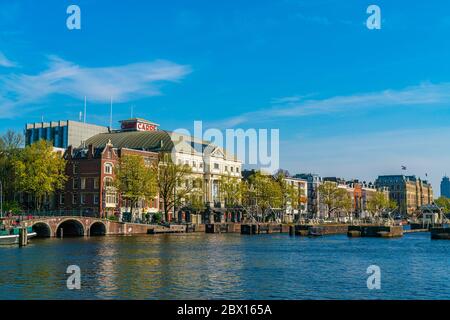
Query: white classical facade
208, 162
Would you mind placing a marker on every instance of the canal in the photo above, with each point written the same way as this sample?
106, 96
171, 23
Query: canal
227, 266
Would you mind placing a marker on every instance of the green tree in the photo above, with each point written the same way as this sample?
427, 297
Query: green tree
379, 203
39, 171
10, 147
195, 201
335, 199
135, 180
443, 203
230, 190
174, 183
264, 191
290, 194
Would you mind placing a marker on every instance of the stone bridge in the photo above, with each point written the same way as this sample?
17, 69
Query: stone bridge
82, 226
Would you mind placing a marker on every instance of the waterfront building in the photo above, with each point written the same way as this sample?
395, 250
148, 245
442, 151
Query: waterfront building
301, 187
313, 182
61, 133
90, 189
361, 192
409, 192
445, 187
341, 183
209, 162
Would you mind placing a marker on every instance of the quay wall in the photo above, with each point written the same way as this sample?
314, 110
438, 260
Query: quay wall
440, 233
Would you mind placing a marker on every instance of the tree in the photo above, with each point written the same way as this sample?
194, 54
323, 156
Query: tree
174, 184
230, 190
289, 193
10, 147
264, 191
443, 203
195, 201
335, 199
135, 180
379, 203
39, 171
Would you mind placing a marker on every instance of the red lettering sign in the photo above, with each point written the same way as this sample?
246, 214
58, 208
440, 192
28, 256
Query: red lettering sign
145, 127
137, 125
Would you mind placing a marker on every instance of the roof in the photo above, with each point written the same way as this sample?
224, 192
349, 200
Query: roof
156, 141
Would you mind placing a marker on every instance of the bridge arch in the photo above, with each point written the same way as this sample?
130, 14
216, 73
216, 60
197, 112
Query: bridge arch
98, 228
42, 229
70, 228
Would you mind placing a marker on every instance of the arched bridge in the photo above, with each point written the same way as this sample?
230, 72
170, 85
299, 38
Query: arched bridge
81, 226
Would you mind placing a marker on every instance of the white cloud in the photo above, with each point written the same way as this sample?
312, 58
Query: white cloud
423, 94
5, 62
99, 84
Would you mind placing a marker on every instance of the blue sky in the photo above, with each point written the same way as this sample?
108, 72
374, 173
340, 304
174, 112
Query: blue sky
348, 101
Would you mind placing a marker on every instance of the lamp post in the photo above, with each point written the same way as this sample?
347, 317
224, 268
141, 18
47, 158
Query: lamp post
1, 199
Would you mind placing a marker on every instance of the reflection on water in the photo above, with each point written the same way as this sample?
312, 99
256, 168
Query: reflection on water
227, 266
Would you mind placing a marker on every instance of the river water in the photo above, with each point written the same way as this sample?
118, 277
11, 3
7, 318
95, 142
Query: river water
227, 266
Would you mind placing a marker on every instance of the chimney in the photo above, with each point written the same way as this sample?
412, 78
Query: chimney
90, 151
69, 151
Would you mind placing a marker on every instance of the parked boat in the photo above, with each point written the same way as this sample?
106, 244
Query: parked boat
8, 237
315, 232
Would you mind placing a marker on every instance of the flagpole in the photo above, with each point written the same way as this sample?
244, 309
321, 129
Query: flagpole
110, 114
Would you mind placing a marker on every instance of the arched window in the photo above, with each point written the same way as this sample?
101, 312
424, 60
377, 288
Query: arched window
108, 168
108, 182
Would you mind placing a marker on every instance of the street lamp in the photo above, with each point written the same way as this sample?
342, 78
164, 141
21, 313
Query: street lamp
1, 199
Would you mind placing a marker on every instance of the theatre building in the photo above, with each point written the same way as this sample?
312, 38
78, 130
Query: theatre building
90, 187
209, 163
90, 168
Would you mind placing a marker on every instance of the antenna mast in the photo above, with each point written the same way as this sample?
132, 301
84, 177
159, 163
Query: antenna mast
84, 114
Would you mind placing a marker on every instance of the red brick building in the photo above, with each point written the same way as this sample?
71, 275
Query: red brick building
90, 186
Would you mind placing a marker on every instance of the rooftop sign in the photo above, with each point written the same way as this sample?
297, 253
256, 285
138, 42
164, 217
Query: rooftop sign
138, 125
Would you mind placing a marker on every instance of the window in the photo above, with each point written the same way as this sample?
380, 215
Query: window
201, 165
226, 168
82, 198
111, 197
61, 198
75, 183
75, 168
74, 198
237, 169
83, 183
216, 166
194, 164
108, 168
232, 169
96, 199
96, 184
109, 182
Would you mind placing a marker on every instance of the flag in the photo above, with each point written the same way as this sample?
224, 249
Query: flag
403, 168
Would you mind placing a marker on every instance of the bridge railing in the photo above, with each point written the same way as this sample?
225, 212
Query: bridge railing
27, 215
